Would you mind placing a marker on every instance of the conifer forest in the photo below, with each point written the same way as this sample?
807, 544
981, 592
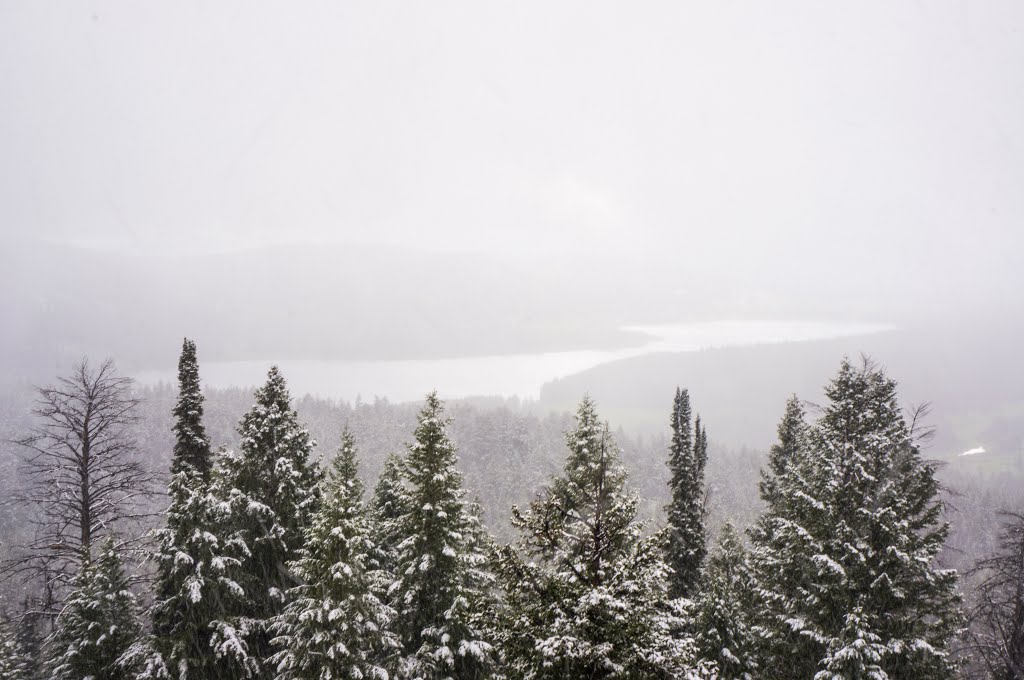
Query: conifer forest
273, 558
530, 340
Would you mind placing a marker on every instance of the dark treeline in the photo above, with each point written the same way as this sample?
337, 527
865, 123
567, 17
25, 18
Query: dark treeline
486, 541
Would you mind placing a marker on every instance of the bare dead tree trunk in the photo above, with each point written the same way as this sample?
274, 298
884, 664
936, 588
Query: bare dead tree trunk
85, 479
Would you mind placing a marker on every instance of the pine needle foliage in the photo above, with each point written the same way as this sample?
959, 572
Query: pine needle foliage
586, 594
270, 489
845, 554
443, 580
686, 547
335, 625
99, 622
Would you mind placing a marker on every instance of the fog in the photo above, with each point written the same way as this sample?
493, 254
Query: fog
441, 228
840, 151
383, 181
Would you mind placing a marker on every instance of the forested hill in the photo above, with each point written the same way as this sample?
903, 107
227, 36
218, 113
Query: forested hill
508, 455
508, 449
967, 370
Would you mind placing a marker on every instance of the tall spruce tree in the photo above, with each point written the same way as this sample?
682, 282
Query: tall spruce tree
198, 558
585, 591
191, 445
725, 610
845, 552
98, 623
700, 456
271, 489
686, 547
335, 625
442, 575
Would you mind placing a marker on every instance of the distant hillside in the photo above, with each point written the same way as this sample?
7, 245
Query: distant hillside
971, 374
309, 302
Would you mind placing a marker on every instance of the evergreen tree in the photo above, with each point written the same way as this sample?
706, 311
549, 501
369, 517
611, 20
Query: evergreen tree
725, 610
845, 553
15, 663
191, 445
30, 631
700, 456
686, 547
98, 623
196, 634
586, 593
271, 490
196, 581
189, 553
442, 575
791, 430
389, 503
335, 626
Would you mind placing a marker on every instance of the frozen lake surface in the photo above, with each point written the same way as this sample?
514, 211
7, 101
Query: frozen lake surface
508, 375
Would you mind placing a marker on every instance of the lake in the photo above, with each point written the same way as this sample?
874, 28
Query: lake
508, 375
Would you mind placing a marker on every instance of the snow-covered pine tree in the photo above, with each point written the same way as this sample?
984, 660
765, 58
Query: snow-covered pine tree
700, 454
776, 539
98, 623
191, 445
29, 629
197, 560
482, 585
334, 625
442, 575
585, 593
388, 504
845, 552
271, 489
15, 663
791, 430
780, 550
686, 546
197, 630
725, 609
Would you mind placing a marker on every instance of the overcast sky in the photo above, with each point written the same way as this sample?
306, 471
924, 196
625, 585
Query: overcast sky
757, 135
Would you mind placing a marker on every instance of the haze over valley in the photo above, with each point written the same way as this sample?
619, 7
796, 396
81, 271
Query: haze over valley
529, 341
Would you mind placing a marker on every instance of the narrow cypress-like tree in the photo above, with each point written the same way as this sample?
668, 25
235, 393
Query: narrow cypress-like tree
686, 547
191, 445
442, 576
98, 623
271, 489
335, 625
700, 454
725, 610
585, 591
845, 552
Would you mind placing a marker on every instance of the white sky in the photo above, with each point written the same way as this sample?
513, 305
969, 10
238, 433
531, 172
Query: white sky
759, 134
